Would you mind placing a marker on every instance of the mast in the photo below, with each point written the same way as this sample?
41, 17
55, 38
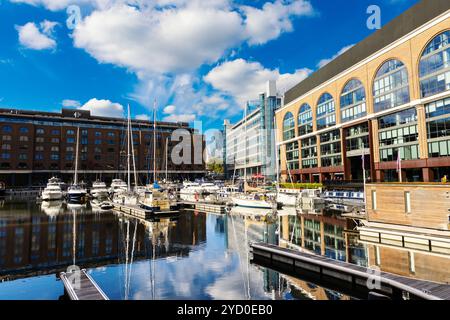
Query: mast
154, 141
132, 150
245, 150
167, 148
128, 151
75, 178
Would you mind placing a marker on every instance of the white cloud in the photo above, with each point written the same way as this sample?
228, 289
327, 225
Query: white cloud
160, 41
56, 5
324, 62
71, 103
169, 109
267, 23
32, 37
243, 80
104, 108
142, 117
184, 117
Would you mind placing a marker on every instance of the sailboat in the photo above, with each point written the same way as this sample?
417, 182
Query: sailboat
76, 194
252, 198
130, 197
156, 199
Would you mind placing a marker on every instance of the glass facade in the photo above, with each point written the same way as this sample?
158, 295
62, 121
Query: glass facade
353, 101
309, 153
288, 126
391, 88
357, 137
438, 128
434, 67
326, 116
292, 156
305, 119
330, 149
398, 133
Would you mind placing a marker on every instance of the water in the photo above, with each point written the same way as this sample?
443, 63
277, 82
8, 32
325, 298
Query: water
189, 256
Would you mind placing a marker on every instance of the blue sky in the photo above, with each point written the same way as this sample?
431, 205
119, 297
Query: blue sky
200, 60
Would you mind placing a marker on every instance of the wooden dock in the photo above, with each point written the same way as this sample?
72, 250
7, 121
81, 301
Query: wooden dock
389, 284
138, 212
205, 207
80, 286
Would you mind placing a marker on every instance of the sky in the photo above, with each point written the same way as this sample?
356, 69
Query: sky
200, 60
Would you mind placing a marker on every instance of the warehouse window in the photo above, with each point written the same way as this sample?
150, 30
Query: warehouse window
390, 88
305, 118
353, 101
434, 67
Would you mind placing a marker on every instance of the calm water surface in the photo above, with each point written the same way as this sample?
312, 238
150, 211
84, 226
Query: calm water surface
189, 256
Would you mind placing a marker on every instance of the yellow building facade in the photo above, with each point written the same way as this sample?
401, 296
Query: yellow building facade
391, 108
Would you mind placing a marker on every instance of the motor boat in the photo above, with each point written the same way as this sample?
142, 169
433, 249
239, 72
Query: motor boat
103, 205
76, 194
52, 208
2, 189
99, 190
254, 200
157, 200
118, 186
53, 190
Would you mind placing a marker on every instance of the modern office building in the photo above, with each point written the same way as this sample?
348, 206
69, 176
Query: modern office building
388, 97
250, 144
37, 145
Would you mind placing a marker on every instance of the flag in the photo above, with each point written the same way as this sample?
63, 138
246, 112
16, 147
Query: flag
399, 162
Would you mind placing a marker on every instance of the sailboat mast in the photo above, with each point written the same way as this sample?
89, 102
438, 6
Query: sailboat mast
132, 152
75, 178
154, 141
167, 149
128, 151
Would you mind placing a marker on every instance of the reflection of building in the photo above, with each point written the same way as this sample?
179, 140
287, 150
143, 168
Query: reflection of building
410, 263
386, 96
37, 145
250, 143
308, 290
31, 242
34, 242
322, 234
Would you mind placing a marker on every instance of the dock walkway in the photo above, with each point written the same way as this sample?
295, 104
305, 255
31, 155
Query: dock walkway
80, 286
356, 275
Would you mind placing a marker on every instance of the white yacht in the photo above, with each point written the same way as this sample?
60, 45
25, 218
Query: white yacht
118, 185
53, 190
76, 194
99, 190
254, 201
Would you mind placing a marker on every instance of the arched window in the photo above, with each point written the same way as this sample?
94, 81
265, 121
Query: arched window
353, 101
390, 87
305, 118
288, 126
434, 66
326, 116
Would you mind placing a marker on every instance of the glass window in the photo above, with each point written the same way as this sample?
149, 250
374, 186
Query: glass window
288, 126
7, 129
70, 140
6, 147
40, 131
98, 141
55, 132
70, 132
305, 118
54, 156
24, 130
434, 66
23, 138
353, 101
391, 88
325, 113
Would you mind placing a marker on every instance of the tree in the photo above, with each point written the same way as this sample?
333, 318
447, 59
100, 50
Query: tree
215, 165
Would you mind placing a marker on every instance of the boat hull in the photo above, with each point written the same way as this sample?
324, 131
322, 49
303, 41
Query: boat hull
50, 196
249, 203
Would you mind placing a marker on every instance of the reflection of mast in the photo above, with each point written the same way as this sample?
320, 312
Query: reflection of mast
74, 237
240, 259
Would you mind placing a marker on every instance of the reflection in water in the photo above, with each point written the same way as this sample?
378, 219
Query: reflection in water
189, 256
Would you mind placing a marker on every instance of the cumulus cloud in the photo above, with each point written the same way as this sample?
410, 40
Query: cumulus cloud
104, 108
324, 62
243, 80
267, 23
36, 37
71, 103
169, 109
143, 117
183, 117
